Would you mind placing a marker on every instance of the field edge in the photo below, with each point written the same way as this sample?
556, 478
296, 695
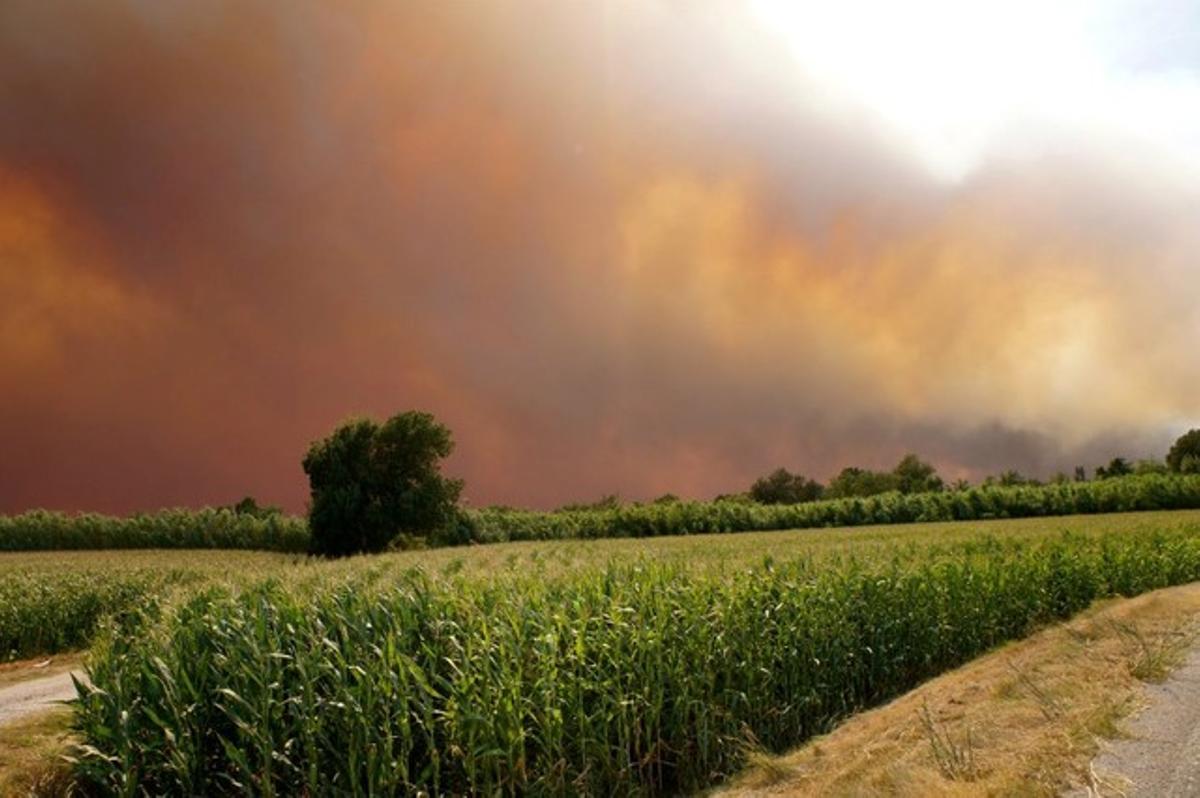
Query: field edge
1024, 719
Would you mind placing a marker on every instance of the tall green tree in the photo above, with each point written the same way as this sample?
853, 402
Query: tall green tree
1184, 457
914, 475
371, 482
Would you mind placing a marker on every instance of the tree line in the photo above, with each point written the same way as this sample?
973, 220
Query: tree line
375, 485
913, 475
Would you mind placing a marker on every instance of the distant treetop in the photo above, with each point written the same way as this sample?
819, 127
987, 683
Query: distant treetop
1184, 457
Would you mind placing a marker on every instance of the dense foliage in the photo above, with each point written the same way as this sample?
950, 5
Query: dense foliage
1148, 492
373, 482
1184, 457
610, 519
43, 616
630, 678
167, 529
861, 482
914, 475
783, 487
54, 601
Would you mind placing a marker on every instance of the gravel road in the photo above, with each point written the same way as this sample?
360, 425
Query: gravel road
35, 695
1161, 757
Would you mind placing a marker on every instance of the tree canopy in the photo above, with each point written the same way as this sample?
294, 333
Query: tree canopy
853, 481
913, 475
1184, 457
371, 482
783, 487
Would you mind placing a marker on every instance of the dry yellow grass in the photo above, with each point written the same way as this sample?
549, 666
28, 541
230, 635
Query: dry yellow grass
1025, 720
31, 749
31, 755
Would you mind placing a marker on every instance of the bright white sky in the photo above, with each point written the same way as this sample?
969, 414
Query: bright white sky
956, 81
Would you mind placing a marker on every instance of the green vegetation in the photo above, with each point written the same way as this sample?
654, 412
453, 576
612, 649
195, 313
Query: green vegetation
1117, 467
1149, 492
52, 601
55, 601
783, 487
168, 529
372, 483
38, 615
378, 486
577, 666
853, 481
914, 475
1184, 457
911, 475
611, 519
607, 648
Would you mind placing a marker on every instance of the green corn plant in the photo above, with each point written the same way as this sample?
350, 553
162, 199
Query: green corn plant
629, 677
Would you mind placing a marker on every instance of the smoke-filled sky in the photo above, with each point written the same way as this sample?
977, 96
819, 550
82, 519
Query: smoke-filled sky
629, 247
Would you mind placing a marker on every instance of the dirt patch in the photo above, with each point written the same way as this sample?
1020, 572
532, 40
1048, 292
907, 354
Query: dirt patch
38, 668
1026, 719
36, 696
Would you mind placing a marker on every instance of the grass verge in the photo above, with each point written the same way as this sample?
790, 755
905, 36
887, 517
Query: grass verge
1025, 720
31, 752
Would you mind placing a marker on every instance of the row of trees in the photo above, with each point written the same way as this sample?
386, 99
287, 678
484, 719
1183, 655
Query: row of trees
913, 475
372, 483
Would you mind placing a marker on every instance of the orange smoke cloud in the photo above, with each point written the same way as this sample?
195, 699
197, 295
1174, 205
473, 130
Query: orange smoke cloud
55, 287
607, 266
926, 321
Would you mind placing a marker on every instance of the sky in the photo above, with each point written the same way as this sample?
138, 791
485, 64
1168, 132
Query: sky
617, 247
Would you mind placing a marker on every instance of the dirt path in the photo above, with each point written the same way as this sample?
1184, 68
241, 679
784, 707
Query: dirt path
35, 695
1161, 755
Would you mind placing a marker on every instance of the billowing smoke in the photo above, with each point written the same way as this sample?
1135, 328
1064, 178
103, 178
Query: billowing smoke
616, 247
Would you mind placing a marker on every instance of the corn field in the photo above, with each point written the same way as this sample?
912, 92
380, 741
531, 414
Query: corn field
639, 676
40, 530
40, 616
